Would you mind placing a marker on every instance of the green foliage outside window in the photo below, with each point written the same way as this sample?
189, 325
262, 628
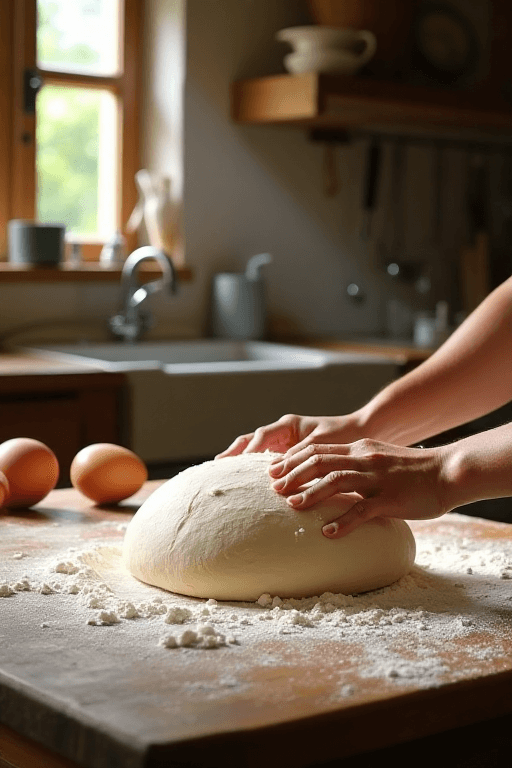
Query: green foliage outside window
67, 157
67, 133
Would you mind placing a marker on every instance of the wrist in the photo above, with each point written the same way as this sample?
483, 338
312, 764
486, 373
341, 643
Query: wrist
374, 420
456, 476
360, 425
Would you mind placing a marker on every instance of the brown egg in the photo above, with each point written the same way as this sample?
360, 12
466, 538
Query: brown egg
105, 472
31, 469
4, 490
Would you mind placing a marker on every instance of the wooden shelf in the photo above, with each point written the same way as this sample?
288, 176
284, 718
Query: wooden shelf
343, 102
86, 273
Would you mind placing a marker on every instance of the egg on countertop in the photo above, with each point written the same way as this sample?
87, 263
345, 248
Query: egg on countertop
4, 489
107, 473
31, 470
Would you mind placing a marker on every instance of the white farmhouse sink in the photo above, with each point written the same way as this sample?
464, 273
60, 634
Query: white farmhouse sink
190, 399
202, 356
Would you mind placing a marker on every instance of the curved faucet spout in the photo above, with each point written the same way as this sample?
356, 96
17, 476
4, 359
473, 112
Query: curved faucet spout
130, 323
134, 294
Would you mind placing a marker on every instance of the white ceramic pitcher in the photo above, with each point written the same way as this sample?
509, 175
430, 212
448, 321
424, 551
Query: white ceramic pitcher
327, 49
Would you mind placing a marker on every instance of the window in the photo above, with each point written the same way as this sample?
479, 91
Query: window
69, 147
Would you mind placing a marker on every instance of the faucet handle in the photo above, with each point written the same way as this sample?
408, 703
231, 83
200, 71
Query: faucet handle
122, 328
146, 321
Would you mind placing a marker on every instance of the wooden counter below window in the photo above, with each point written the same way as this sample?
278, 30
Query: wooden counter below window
399, 351
405, 355
87, 272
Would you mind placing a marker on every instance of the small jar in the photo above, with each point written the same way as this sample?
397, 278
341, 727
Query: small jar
113, 252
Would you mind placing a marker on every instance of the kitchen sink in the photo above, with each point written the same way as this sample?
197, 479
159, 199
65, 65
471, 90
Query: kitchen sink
200, 356
188, 400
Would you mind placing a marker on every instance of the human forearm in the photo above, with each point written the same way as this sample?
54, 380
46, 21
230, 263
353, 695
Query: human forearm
477, 467
470, 375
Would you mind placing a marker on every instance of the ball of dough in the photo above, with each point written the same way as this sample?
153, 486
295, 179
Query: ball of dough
219, 530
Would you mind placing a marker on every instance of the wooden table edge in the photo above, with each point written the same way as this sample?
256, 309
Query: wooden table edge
331, 735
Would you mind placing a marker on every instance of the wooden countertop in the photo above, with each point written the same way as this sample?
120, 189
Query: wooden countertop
25, 363
400, 352
22, 372
110, 696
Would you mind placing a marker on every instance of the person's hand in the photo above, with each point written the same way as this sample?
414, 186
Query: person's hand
293, 433
392, 481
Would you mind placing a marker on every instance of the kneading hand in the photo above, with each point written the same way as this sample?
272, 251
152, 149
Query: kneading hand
393, 481
293, 433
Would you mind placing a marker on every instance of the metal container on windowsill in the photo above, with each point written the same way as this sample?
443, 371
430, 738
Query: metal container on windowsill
30, 242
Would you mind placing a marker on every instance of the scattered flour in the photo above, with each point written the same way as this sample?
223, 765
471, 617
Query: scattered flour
104, 618
204, 636
6, 590
401, 633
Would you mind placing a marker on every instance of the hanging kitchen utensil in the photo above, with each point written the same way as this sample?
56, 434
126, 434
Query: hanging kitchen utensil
331, 138
431, 253
397, 263
330, 171
398, 315
431, 327
370, 185
386, 232
474, 256
438, 196
392, 251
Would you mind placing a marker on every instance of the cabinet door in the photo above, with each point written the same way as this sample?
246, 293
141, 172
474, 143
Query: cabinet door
55, 420
102, 416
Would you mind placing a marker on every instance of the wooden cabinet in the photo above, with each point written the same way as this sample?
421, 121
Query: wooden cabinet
64, 411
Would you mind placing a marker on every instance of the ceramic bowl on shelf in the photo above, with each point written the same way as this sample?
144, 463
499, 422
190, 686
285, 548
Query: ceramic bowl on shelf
327, 49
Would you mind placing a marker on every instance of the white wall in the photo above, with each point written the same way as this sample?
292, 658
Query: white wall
250, 189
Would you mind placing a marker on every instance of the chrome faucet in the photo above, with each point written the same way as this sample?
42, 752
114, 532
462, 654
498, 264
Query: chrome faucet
133, 320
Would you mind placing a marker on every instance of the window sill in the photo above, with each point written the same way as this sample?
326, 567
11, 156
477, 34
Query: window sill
85, 273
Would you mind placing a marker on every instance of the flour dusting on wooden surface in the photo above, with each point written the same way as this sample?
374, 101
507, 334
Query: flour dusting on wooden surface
458, 593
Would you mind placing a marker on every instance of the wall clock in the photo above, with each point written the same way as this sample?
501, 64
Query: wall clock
445, 45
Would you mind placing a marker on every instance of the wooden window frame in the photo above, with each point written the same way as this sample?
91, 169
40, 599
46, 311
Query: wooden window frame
17, 129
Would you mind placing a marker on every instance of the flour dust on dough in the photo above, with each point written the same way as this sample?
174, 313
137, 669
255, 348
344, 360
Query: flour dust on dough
219, 530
